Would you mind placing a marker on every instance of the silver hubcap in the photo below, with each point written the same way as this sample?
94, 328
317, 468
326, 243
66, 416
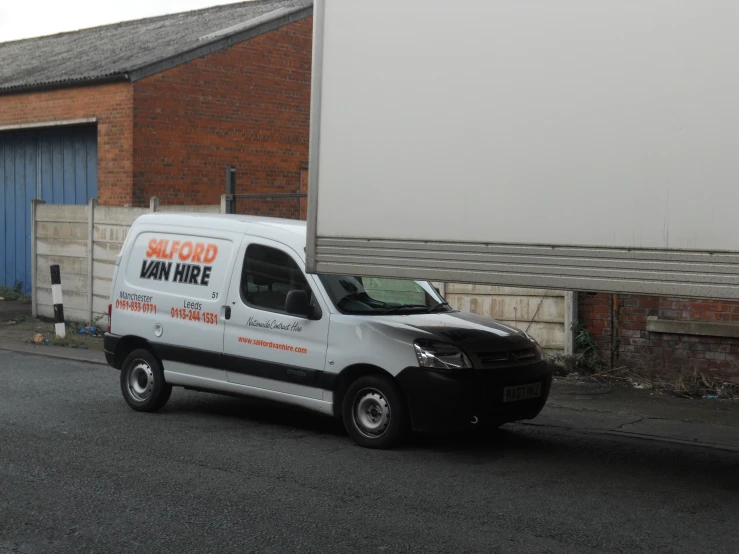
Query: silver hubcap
140, 381
371, 413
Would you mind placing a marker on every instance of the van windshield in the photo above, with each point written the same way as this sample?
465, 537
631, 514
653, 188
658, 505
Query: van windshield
380, 296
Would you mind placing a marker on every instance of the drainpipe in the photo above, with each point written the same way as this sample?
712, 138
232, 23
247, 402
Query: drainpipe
614, 332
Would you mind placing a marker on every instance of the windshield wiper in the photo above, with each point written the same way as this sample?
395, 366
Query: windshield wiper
432, 309
404, 307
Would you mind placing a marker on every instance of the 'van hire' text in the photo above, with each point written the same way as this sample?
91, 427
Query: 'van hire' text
190, 274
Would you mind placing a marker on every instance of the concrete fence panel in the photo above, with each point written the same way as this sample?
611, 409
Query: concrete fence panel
84, 241
541, 313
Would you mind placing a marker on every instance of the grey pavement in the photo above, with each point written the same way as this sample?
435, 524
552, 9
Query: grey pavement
641, 414
81, 472
73, 354
18, 328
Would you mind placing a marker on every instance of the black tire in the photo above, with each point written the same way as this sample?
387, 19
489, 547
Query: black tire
142, 382
383, 421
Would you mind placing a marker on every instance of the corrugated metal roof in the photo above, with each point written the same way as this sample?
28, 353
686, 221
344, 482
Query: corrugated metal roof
134, 49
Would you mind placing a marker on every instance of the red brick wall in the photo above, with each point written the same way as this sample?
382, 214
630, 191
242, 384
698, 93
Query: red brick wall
632, 345
111, 104
246, 106
594, 313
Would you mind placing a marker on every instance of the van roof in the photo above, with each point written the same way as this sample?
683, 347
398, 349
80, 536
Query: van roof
287, 231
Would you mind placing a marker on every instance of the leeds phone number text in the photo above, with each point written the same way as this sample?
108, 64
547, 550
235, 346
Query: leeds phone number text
194, 315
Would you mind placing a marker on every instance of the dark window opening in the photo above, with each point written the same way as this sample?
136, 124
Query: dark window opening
268, 275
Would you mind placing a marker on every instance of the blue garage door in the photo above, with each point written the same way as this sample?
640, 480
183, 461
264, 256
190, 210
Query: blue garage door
57, 165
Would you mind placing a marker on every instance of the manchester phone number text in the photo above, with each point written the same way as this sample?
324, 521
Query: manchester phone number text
143, 307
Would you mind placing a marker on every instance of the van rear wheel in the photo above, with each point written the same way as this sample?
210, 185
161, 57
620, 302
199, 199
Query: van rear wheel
374, 412
142, 382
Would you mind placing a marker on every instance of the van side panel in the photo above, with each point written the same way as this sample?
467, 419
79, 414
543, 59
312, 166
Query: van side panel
170, 290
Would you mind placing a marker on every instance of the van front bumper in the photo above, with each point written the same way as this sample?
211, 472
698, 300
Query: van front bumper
440, 400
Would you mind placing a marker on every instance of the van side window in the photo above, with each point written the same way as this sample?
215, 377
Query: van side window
268, 275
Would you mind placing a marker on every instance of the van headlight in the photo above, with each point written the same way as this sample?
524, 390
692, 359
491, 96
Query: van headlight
537, 347
440, 355
539, 351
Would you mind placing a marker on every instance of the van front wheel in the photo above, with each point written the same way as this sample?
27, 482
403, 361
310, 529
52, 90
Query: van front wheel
142, 382
374, 412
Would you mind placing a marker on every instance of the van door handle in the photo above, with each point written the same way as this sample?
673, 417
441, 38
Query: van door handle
227, 312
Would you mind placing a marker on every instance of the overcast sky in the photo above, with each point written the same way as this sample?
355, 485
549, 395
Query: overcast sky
33, 18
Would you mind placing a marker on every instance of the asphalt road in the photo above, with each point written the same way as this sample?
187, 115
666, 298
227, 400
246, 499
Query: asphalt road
81, 472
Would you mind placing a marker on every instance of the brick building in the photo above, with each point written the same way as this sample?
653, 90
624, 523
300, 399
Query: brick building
155, 107
664, 333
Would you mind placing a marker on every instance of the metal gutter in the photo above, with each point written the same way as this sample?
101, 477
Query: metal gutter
46, 124
71, 83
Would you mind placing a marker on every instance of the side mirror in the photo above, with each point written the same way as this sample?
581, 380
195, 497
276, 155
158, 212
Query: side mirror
297, 304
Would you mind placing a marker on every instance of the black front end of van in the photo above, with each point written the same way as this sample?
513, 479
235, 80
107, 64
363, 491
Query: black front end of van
441, 400
474, 371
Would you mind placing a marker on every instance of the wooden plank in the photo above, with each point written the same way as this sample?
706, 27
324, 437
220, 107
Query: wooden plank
105, 251
60, 212
61, 230
106, 232
62, 248
118, 215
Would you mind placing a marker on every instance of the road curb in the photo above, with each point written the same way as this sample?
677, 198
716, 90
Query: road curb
644, 436
626, 434
76, 355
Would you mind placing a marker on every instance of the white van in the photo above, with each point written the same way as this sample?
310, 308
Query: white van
221, 303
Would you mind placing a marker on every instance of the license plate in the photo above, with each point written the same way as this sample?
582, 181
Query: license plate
521, 392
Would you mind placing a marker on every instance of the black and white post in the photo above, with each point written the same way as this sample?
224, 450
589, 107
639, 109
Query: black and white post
56, 298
